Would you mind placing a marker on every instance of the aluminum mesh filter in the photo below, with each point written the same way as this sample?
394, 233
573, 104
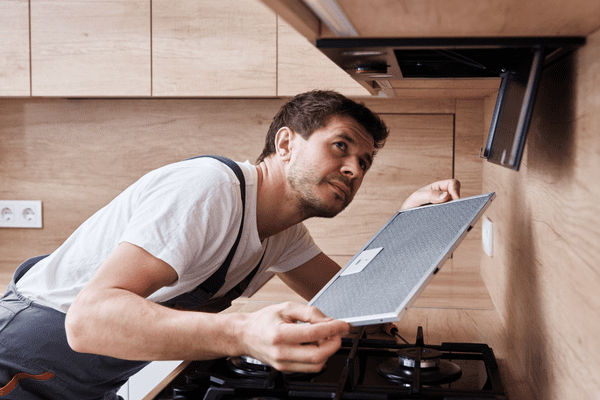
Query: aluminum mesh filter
414, 243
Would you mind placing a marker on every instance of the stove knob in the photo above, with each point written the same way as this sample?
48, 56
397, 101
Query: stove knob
200, 378
186, 389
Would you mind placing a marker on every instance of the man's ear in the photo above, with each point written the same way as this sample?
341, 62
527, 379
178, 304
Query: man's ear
284, 142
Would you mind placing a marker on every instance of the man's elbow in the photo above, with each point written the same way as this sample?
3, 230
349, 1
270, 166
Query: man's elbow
75, 330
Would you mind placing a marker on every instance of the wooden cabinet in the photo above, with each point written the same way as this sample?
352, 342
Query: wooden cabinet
159, 48
90, 48
14, 48
213, 48
302, 67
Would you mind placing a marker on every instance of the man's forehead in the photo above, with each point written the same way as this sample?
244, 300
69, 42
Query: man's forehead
350, 125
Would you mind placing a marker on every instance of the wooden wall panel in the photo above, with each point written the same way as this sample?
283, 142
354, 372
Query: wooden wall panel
410, 106
14, 48
91, 48
468, 169
444, 88
544, 275
213, 48
77, 155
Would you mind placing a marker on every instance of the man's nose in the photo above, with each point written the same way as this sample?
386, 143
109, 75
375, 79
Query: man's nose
352, 169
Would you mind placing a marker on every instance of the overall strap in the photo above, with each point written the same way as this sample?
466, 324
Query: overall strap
209, 287
26, 266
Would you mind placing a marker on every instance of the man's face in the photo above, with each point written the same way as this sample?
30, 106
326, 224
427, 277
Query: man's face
327, 169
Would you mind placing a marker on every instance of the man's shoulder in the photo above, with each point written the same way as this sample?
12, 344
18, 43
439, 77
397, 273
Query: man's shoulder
202, 169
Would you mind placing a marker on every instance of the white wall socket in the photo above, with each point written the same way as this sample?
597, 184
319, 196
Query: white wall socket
487, 237
20, 214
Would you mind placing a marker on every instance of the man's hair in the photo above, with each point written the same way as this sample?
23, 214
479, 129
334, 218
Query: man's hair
308, 112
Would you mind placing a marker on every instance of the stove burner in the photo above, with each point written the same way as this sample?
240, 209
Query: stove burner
433, 370
249, 367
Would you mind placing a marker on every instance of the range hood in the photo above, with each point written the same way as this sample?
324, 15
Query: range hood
377, 62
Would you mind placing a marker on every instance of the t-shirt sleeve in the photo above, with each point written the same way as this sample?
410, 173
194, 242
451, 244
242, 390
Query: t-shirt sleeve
175, 212
298, 249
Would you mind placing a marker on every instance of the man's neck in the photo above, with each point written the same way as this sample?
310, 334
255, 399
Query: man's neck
275, 211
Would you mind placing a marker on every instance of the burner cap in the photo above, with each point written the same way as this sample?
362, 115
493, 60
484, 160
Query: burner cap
250, 367
433, 371
254, 361
430, 358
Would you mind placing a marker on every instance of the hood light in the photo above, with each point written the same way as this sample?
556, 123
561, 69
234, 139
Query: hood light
363, 53
377, 68
333, 16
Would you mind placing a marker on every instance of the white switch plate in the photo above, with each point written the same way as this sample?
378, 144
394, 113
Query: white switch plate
487, 236
20, 214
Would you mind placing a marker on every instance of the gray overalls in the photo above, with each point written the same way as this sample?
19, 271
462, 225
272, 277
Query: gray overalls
36, 362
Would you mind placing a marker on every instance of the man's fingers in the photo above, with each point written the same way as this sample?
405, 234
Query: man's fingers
276, 337
308, 357
436, 197
316, 325
435, 193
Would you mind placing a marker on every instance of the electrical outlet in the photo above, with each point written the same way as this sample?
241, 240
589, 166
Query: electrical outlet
487, 236
20, 214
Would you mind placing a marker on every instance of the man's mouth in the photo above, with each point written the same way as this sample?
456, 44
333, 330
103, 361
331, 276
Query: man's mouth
342, 188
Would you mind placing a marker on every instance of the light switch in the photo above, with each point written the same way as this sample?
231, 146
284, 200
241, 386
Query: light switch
487, 237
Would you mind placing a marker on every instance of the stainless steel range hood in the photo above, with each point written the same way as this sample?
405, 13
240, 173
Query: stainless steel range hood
518, 61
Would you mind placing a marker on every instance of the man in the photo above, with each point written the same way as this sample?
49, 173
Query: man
82, 320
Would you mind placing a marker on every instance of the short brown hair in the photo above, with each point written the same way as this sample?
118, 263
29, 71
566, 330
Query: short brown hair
308, 112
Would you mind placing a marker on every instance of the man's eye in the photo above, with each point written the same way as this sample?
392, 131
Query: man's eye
341, 145
364, 165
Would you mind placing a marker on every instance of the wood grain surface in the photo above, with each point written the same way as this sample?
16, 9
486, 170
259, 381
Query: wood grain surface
453, 18
544, 275
213, 48
14, 48
94, 48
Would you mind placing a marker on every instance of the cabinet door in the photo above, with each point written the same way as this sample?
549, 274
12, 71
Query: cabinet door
302, 67
90, 48
14, 48
213, 48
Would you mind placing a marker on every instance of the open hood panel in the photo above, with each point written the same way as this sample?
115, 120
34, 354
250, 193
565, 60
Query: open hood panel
378, 63
373, 59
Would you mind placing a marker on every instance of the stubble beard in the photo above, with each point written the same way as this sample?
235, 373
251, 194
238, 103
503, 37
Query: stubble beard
303, 181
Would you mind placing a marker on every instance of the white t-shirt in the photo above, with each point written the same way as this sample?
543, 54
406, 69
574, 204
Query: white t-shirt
187, 214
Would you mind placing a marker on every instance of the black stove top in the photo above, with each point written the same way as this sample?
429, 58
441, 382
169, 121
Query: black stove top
361, 369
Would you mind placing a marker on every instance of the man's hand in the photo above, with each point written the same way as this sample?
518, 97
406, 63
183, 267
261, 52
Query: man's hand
273, 336
437, 192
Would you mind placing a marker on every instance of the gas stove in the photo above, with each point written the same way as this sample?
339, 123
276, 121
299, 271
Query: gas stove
361, 369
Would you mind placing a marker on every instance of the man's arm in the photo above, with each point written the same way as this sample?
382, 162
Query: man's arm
111, 316
310, 277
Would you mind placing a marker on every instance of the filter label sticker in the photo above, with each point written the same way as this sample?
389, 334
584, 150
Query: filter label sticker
361, 261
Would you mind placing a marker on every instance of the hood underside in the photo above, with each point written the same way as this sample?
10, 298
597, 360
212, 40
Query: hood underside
373, 60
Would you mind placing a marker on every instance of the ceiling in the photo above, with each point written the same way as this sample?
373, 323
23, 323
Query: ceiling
450, 18
431, 18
